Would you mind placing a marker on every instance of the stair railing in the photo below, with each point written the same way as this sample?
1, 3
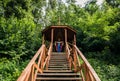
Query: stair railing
85, 67
70, 56
35, 65
80, 63
46, 63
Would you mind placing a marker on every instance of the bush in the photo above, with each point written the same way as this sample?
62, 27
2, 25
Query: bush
93, 44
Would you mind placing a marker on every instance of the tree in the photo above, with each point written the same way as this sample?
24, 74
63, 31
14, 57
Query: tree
113, 3
91, 6
18, 8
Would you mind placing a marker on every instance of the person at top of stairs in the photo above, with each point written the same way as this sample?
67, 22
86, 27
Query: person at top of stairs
59, 44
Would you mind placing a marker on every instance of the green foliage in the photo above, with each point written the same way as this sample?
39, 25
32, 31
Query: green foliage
113, 3
18, 8
115, 42
98, 33
106, 72
91, 6
9, 70
93, 44
16, 37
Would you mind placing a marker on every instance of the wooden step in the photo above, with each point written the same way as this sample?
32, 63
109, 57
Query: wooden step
53, 66
58, 59
58, 62
62, 55
58, 71
58, 65
56, 53
58, 78
58, 68
58, 74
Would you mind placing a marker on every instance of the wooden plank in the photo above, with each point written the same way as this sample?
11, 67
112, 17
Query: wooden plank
74, 39
36, 66
64, 26
58, 74
49, 54
55, 78
58, 71
27, 69
52, 31
87, 64
43, 39
65, 35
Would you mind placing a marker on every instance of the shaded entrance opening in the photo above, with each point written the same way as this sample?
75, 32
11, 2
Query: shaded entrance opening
64, 33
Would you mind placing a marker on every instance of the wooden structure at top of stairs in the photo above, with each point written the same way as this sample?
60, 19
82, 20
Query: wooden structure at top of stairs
49, 65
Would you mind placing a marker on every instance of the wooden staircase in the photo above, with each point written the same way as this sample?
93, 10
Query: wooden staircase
47, 65
70, 65
58, 70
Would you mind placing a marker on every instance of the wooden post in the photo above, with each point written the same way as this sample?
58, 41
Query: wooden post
75, 53
74, 39
65, 35
66, 43
43, 39
52, 31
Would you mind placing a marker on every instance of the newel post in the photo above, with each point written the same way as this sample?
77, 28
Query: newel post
74, 39
52, 31
65, 35
75, 53
65, 38
43, 39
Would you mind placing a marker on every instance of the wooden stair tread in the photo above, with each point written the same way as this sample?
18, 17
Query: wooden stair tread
58, 78
58, 64
59, 71
56, 53
59, 60
54, 74
58, 67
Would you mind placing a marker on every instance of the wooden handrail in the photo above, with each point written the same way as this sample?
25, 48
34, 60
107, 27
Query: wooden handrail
29, 72
85, 69
88, 66
70, 59
46, 63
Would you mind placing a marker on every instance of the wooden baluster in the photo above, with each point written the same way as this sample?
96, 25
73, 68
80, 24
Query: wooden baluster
27, 78
32, 74
87, 74
43, 39
49, 54
52, 31
91, 77
70, 63
66, 40
75, 53
43, 57
75, 59
82, 72
29, 75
